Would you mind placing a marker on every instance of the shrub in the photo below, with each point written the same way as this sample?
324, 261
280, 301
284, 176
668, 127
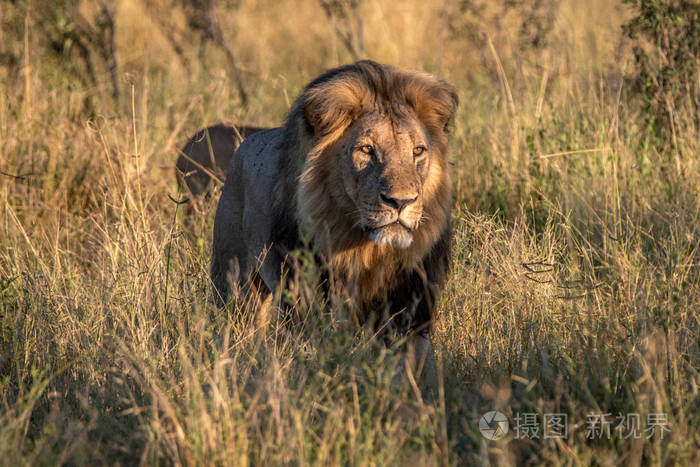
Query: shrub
666, 46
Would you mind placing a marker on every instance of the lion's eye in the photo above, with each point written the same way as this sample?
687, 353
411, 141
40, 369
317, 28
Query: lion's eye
367, 149
418, 150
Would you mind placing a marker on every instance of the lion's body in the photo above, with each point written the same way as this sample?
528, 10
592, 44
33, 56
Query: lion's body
246, 212
381, 222
208, 154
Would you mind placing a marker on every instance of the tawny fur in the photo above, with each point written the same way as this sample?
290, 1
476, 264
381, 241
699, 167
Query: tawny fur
313, 193
330, 108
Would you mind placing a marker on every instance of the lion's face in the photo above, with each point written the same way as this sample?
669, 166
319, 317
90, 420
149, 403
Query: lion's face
385, 162
373, 163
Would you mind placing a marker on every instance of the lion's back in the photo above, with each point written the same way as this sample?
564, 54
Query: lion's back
244, 215
208, 153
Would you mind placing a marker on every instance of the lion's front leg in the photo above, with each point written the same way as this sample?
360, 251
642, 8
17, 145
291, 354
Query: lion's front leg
420, 363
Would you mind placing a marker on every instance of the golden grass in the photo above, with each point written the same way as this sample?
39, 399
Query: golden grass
576, 283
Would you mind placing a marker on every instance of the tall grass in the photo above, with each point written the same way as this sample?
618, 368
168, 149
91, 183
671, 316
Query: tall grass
576, 280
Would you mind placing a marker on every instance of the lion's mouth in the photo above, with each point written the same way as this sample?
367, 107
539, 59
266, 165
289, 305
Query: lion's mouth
397, 223
395, 234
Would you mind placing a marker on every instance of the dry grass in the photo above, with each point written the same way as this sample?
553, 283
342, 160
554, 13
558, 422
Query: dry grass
576, 283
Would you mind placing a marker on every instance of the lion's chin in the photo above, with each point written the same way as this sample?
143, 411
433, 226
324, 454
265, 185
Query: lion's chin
394, 235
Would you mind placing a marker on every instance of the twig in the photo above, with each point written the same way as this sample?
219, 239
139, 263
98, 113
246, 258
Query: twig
213, 32
211, 174
530, 277
18, 177
544, 267
167, 260
109, 48
354, 42
566, 153
178, 202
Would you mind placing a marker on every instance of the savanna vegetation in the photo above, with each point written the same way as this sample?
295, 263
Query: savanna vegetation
576, 281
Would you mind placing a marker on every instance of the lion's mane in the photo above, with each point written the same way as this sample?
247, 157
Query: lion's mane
307, 193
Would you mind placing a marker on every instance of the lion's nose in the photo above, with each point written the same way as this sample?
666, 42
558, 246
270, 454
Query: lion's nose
398, 201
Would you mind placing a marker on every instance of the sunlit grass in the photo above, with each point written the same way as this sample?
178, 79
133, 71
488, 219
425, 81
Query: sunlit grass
575, 287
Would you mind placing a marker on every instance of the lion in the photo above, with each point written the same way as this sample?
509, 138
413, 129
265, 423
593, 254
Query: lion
207, 155
360, 168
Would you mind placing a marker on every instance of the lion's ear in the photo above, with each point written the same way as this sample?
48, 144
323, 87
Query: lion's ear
435, 104
332, 106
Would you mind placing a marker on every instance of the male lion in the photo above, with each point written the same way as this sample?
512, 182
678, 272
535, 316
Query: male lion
208, 154
361, 168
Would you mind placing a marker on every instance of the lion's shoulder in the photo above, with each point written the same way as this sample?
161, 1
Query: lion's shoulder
258, 157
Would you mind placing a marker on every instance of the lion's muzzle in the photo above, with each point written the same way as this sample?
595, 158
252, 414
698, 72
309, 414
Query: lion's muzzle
397, 215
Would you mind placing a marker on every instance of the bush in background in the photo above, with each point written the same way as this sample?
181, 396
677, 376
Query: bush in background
666, 45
